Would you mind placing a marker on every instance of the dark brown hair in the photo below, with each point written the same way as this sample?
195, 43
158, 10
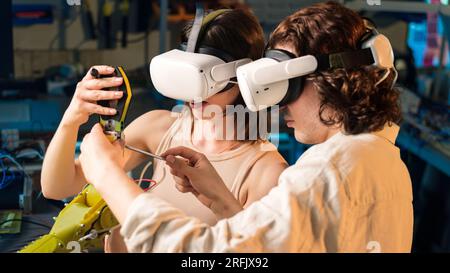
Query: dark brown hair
358, 104
238, 33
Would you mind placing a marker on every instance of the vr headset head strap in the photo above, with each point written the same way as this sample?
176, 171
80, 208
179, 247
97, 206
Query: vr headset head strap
200, 25
345, 60
211, 51
279, 55
196, 28
371, 30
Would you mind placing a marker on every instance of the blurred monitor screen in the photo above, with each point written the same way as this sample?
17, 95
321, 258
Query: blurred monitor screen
426, 43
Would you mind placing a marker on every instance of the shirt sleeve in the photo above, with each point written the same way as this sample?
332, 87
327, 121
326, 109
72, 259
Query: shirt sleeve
272, 224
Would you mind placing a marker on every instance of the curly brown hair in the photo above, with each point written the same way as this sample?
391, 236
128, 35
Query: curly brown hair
359, 105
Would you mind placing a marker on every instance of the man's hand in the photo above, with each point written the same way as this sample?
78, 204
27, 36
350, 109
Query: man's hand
98, 155
194, 173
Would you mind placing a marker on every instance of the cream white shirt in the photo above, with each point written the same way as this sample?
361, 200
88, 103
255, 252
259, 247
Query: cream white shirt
351, 193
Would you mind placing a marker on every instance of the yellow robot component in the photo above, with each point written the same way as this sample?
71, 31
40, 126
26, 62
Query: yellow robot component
81, 225
84, 222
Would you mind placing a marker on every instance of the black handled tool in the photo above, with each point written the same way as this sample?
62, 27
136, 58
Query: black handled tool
113, 125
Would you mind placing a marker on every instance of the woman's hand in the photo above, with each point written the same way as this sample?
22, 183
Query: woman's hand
99, 156
88, 92
194, 173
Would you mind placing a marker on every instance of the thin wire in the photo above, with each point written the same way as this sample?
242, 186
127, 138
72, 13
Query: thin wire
30, 153
145, 180
395, 77
151, 182
386, 74
17, 164
39, 195
13, 161
143, 172
2, 183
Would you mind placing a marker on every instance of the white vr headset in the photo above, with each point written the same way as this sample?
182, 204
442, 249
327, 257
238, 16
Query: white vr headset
278, 78
194, 72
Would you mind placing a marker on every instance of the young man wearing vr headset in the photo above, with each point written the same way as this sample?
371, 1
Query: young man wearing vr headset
350, 192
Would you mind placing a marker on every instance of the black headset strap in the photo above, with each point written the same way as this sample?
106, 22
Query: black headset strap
196, 28
216, 52
279, 55
211, 51
347, 60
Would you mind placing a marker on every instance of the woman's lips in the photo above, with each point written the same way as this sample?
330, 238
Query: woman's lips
289, 123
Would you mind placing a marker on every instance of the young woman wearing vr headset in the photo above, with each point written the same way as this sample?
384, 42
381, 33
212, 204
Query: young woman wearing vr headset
350, 192
225, 35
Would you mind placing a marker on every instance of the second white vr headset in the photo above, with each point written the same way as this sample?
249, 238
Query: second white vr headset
194, 72
278, 78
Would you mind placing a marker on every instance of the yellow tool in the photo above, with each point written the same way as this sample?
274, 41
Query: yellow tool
113, 125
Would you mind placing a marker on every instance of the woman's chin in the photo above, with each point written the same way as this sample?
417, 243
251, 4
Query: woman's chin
199, 113
205, 110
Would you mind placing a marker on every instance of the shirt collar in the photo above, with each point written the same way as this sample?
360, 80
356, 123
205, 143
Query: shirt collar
389, 132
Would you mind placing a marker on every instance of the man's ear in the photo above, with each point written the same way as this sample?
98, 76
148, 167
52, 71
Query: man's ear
328, 114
